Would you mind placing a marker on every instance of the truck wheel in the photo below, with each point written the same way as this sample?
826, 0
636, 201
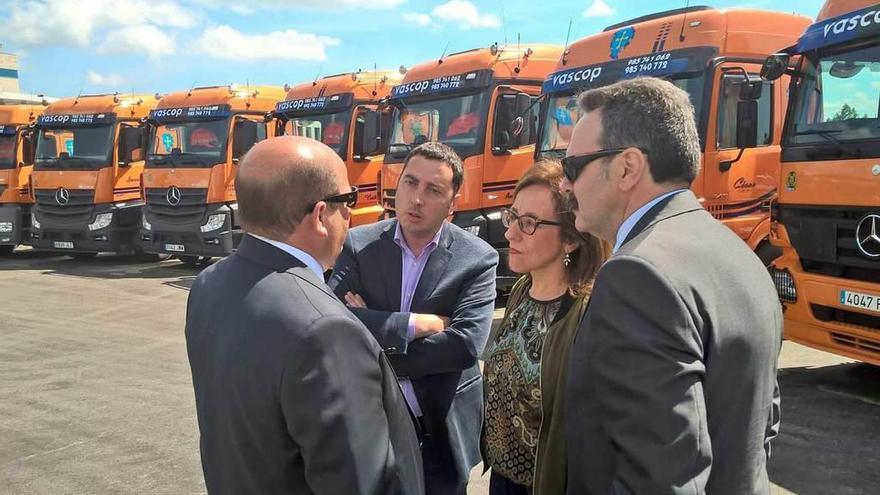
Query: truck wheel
194, 261
768, 253
82, 256
6, 250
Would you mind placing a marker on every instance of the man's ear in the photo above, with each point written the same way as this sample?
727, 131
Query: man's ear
634, 167
315, 219
454, 205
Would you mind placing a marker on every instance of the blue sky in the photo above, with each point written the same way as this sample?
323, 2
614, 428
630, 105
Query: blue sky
68, 46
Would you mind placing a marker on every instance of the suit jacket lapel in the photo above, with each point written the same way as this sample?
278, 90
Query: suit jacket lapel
435, 268
392, 265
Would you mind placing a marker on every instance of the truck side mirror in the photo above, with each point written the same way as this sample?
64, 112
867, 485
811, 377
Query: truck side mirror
245, 134
131, 145
747, 124
28, 147
367, 137
512, 128
775, 66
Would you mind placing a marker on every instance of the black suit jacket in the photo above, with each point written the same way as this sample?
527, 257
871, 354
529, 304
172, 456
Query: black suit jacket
458, 282
672, 382
293, 395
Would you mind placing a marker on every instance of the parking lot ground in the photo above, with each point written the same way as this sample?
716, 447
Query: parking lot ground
96, 397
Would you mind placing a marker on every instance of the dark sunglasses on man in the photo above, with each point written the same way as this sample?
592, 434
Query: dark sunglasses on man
572, 166
349, 199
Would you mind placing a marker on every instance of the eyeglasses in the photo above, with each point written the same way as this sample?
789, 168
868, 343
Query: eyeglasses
528, 224
572, 166
349, 199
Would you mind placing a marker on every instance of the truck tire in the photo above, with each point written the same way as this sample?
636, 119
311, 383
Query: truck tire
767, 253
194, 261
82, 256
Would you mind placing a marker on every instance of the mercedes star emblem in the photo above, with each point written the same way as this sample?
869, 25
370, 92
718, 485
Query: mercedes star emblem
173, 196
62, 196
868, 236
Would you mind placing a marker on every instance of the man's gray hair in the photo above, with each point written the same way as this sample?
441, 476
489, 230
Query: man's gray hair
274, 200
651, 114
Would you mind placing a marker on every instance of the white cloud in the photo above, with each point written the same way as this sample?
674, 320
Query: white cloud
235, 5
228, 43
62, 22
417, 19
465, 15
97, 79
599, 9
144, 38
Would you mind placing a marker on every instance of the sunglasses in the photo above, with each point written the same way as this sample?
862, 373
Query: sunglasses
349, 199
527, 224
572, 166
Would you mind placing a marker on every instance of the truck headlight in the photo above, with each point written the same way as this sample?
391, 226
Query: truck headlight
785, 285
102, 220
145, 223
34, 222
214, 222
5, 227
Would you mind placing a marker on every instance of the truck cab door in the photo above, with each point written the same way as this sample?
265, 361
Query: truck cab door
131, 147
740, 179
510, 145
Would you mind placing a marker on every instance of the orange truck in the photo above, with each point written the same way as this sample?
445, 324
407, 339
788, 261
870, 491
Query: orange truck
86, 179
716, 56
827, 216
479, 102
343, 111
196, 139
16, 163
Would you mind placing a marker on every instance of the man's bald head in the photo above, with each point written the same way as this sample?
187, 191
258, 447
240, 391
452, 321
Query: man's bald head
279, 178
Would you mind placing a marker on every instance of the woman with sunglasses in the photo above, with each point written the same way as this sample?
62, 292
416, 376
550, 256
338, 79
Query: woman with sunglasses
525, 360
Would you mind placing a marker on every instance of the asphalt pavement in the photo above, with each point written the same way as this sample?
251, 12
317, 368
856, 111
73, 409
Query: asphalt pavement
96, 397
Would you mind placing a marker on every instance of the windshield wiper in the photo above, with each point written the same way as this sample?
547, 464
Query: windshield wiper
828, 135
178, 159
62, 163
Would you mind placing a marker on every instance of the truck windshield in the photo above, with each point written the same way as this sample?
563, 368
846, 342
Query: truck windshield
189, 144
562, 114
456, 122
7, 151
329, 128
76, 148
837, 100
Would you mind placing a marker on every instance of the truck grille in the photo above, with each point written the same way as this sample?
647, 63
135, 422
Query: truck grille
825, 240
190, 208
77, 208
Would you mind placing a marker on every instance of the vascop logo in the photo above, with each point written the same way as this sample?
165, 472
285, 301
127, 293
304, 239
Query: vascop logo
857, 21
55, 119
167, 113
416, 87
587, 74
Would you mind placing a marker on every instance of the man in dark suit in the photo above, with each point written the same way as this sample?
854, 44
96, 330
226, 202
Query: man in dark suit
292, 392
426, 289
672, 384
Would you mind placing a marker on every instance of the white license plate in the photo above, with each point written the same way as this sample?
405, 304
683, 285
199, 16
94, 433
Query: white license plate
63, 245
859, 300
177, 248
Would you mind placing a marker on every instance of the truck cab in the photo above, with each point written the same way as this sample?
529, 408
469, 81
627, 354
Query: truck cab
715, 56
88, 162
827, 216
343, 111
16, 164
480, 103
196, 139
